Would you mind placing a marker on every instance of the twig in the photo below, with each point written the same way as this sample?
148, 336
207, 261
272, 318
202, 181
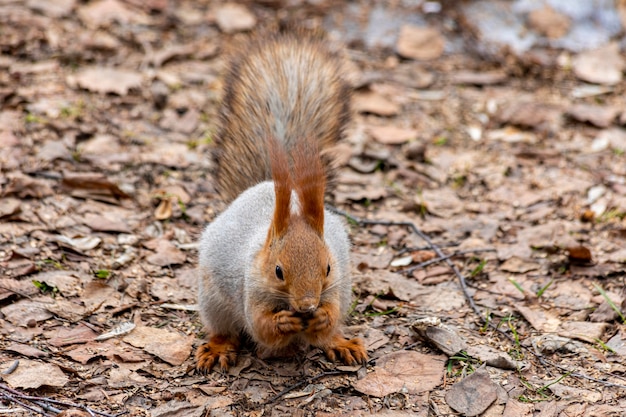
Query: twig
21, 404
304, 382
47, 407
40, 400
11, 368
405, 250
439, 259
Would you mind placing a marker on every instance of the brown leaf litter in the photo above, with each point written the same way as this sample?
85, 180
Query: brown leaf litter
488, 281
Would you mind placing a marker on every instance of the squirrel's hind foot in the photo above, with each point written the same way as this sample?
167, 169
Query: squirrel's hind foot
219, 350
349, 351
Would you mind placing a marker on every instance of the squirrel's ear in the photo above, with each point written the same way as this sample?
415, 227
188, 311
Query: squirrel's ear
310, 181
282, 187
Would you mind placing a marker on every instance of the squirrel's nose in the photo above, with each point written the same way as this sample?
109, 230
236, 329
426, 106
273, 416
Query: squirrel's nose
306, 305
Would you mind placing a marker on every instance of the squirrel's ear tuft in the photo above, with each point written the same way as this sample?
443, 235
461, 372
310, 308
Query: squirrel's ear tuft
279, 162
310, 181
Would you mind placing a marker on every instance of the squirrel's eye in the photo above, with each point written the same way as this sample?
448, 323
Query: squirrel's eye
279, 273
328, 270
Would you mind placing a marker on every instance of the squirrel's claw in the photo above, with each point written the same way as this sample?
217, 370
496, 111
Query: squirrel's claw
220, 350
349, 351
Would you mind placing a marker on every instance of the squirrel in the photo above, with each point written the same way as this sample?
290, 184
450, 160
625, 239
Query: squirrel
274, 266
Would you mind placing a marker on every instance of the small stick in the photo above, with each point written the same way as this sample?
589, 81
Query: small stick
445, 245
38, 400
303, 382
439, 259
11, 368
21, 404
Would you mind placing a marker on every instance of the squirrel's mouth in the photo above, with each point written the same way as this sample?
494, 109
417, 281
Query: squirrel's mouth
282, 307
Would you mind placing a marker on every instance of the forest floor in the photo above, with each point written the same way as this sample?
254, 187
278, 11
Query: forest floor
497, 129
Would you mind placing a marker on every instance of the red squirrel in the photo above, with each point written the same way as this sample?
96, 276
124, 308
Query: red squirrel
274, 266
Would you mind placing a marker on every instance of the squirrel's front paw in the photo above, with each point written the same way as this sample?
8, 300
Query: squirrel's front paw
320, 321
287, 322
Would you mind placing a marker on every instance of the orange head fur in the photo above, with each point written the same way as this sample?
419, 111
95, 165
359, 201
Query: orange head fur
295, 259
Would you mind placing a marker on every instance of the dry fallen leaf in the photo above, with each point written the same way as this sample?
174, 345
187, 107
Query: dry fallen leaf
27, 350
74, 412
392, 135
107, 222
77, 335
10, 287
576, 394
601, 116
600, 66
67, 282
519, 265
583, 330
178, 408
166, 254
233, 17
72, 311
21, 312
53, 8
473, 394
107, 80
443, 203
532, 115
515, 407
104, 12
112, 350
163, 210
618, 343
172, 347
549, 22
541, 320
405, 371
98, 295
494, 357
445, 338
478, 78
372, 102
24, 186
420, 43
33, 374
125, 375
9, 206
92, 185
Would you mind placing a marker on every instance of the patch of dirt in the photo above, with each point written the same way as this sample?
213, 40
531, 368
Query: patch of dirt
511, 165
